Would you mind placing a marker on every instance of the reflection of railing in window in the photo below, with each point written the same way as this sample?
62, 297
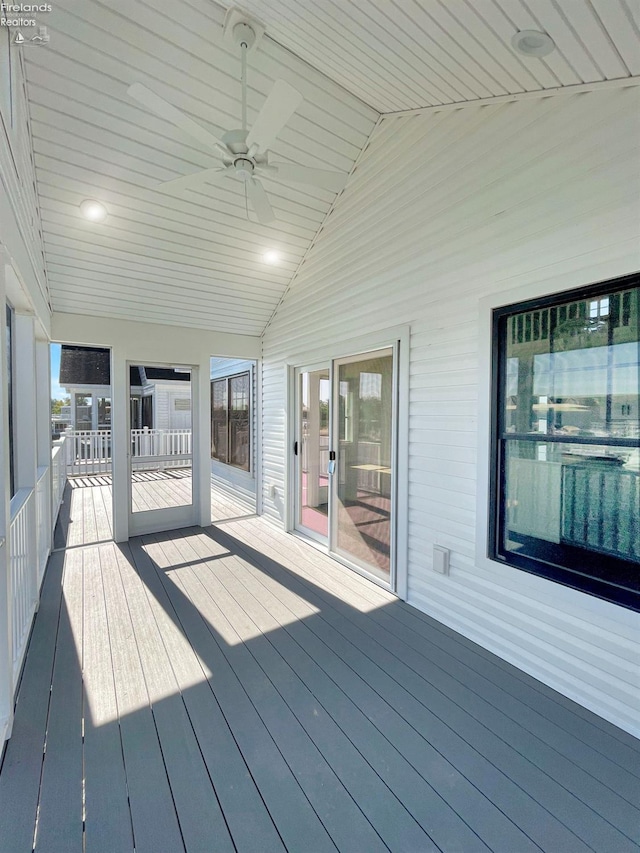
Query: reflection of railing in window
536, 325
587, 504
368, 453
600, 509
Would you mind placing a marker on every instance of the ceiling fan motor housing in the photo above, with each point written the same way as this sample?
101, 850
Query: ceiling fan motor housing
244, 167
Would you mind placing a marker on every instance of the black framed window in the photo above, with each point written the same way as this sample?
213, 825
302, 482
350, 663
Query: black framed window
566, 436
10, 393
231, 420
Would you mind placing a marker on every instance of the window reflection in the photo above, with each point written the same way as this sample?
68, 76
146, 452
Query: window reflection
569, 469
573, 369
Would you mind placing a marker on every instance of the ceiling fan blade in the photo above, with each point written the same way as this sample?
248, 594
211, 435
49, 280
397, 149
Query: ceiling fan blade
281, 104
322, 178
167, 111
260, 201
197, 179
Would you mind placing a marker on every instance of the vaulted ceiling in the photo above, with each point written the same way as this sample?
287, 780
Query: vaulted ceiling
195, 257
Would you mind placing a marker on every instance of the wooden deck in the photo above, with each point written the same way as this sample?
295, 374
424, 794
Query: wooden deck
86, 516
233, 689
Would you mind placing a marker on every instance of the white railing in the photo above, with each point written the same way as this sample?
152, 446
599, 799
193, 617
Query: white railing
88, 452
58, 476
43, 516
23, 568
160, 448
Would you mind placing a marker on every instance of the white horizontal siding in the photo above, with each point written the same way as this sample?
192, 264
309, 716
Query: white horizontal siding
443, 210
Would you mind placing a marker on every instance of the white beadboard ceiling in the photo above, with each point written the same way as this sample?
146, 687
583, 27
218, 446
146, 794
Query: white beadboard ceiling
406, 54
193, 259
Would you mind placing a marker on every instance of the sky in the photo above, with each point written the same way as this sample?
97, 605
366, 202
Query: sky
57, 393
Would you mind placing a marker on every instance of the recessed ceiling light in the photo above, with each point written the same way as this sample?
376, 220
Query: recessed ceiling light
533, 43
271, 257
93, 210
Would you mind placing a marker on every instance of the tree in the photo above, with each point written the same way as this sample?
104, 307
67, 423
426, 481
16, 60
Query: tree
56, 405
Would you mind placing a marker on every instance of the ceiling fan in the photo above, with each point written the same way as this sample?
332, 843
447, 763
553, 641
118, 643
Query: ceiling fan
244, 154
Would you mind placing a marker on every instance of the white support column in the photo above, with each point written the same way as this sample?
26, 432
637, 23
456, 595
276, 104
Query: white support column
93, 397
6, 657
201, 442
120, 443
44, 495
43, 404
72, 408
25, 401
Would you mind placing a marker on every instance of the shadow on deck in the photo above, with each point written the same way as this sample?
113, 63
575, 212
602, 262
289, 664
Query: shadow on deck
234, 689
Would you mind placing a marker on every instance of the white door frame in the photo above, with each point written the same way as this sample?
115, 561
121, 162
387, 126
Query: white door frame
169, 518
349, 559
296, 492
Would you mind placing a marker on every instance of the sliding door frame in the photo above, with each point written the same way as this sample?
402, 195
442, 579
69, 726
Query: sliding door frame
350, 559
397, 337
297, 460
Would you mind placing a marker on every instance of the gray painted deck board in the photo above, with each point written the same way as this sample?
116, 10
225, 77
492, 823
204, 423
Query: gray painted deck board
445, 753
155, 824
419, 799
22, 765
60, 806
568, 809
241, 691
334, 783
545, 709
458, 794
591, 742
201, 821
246, 814
432, 692
108, 823
298, 824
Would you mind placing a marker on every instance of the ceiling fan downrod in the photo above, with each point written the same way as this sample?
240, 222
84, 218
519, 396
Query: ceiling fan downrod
245, 38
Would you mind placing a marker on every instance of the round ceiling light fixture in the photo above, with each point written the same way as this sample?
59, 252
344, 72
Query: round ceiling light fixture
533, 43
271, 257
93, 210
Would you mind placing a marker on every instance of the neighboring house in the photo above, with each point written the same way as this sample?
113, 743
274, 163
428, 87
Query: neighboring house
447, 393
160, 398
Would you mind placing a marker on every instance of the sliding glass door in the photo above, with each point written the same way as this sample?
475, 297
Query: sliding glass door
345, 459
313, 405
363, 480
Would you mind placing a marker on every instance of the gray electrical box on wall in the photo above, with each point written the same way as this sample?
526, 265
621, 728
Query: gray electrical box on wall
441, 559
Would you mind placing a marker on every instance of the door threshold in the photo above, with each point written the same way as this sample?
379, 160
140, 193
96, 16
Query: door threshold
343, 561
